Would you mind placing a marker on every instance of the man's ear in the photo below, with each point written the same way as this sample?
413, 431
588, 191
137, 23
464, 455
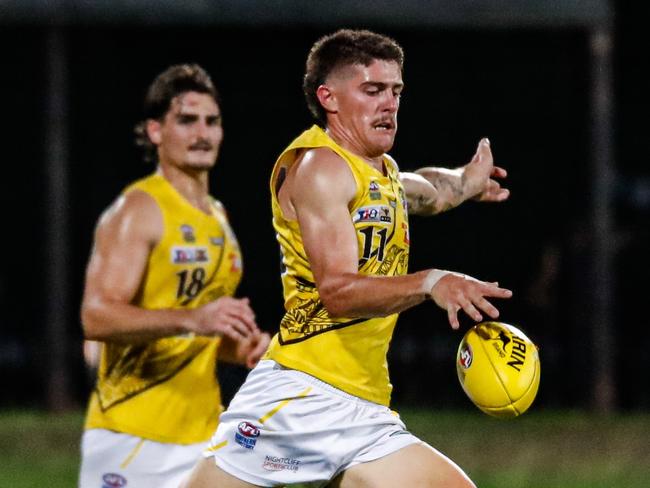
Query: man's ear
327, 98
154, 129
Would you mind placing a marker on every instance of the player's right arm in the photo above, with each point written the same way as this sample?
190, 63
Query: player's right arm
432, 190
125, 236
321, 186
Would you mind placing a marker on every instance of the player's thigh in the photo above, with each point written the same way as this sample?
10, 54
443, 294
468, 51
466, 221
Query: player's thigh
206, 474
415, 465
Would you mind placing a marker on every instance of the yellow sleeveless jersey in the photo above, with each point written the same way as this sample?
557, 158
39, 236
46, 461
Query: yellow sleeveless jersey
166, 390
349, 354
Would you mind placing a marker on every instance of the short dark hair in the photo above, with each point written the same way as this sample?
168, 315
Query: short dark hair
169, 84
342, 48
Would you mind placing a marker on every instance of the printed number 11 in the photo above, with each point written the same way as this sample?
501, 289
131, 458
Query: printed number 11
368, 251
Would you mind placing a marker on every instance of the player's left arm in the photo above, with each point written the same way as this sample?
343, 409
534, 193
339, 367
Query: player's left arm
432, 190
246, 352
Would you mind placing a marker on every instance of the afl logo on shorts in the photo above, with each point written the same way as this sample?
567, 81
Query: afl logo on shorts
247, 435
113, 480
465, 357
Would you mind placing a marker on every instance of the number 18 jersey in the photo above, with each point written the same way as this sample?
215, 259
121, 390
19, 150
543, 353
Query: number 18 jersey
349, 354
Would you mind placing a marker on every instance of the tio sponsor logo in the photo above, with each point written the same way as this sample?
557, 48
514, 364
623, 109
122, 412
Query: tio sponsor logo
375, 213
113, 480
246, 435
465, 357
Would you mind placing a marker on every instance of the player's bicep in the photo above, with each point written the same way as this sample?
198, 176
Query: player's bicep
330, 242
322, 191
123, 241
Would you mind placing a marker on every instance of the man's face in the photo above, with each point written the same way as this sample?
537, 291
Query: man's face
366, 103
190, 134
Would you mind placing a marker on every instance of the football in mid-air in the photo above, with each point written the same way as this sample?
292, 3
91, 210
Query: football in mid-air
498, 368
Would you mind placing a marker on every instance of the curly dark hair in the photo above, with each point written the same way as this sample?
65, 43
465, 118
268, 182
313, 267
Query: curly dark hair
174, 81
342, 48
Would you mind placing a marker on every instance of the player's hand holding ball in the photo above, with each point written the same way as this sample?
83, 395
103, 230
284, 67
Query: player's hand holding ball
499, 368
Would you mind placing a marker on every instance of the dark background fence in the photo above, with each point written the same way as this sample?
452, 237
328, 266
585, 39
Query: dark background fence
530, 85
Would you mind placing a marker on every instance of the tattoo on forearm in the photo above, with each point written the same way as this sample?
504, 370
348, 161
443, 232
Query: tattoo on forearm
449, 193
449, 188
421, 204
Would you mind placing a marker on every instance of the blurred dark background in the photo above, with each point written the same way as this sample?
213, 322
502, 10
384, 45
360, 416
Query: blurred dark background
529, 83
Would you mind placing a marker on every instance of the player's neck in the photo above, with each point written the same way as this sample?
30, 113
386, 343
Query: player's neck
347, 142
191, 184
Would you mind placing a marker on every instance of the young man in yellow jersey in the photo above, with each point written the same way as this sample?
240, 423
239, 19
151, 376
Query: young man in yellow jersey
159, 296
316, 408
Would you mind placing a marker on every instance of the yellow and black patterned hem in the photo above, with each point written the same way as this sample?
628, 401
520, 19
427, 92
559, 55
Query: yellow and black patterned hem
308, 319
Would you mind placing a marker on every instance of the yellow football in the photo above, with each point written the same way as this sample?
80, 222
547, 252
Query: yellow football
498, 367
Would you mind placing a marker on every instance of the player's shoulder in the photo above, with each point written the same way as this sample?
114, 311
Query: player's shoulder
322, 174
134, 211
321, 161
135, 203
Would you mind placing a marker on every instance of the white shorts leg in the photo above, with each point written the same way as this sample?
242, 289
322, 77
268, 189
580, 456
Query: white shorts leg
286, 427
115, 460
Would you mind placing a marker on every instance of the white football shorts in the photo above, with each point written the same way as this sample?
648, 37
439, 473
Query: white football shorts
114, 460
285, 427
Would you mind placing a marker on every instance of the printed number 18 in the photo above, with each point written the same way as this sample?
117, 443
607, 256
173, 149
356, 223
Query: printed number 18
189, 285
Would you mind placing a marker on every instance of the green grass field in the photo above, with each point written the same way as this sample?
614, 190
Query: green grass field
538, 450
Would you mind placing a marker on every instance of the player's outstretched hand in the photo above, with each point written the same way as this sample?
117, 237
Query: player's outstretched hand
226, 316
493, 191
456, 291
482, 174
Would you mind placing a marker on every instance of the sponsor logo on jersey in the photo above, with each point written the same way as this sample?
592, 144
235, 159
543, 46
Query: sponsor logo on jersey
188, 233
189, 254
373, 213
246, 435
465, 357
373, 190
274, 463
113, 480
216, 241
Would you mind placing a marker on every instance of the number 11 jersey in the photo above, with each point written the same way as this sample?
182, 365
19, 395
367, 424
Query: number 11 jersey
348, 353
